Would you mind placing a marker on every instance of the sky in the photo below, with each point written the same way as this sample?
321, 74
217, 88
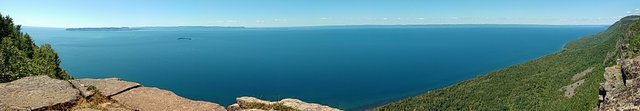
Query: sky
284, 13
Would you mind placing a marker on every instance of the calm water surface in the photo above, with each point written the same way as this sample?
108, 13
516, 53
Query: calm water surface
344, 67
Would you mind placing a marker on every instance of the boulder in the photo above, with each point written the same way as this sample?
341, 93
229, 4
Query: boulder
107, 87
154, 99
255, 104
37, 93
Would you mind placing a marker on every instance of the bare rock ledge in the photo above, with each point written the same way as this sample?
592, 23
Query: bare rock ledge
154, 99
44, 93
107, 87
37, 93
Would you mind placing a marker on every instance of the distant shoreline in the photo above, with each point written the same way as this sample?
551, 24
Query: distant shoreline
141, 28
325, 26
103, 29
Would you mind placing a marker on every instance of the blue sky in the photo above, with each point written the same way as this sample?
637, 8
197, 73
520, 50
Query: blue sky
279, 13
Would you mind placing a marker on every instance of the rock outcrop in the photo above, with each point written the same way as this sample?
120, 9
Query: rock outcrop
581, 74
107, 87
613, 79
112, 94
255, 104
37, 93
625, 100
631, 71
154, 99
570, 89
621, 89
610, 91
44, 93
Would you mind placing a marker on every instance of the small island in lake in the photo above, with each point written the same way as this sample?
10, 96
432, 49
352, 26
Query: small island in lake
184, 38
103, 29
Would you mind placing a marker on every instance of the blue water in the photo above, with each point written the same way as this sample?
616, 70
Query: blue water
347, 67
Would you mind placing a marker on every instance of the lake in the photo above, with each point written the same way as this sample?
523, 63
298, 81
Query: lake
347, 67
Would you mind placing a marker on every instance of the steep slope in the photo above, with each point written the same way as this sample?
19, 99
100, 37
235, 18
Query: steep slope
567, 80
622, 86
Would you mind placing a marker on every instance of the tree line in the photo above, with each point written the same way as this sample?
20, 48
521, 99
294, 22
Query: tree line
21, 57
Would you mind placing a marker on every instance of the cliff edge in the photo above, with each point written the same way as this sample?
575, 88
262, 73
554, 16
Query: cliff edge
112, 94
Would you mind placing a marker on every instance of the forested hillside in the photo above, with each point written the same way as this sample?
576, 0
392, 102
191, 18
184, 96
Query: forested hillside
20, 57
540, 84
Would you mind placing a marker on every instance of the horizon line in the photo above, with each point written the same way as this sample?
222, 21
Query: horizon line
302, 26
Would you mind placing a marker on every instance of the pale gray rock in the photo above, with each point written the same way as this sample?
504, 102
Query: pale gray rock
581, 75
255, 104
570, 89
37, 93
303, 106
245, 102
154, 99
613, 79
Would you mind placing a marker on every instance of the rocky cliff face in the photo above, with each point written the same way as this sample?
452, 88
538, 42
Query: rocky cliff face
621, 89
44, 93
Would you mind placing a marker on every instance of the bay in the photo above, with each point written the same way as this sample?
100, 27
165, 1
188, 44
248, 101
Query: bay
348, 67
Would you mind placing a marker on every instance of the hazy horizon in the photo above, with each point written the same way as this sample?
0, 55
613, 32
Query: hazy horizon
287, 13
303, 26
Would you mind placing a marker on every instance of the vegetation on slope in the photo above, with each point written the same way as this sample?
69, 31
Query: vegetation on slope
20, 57
632, 38
535, 85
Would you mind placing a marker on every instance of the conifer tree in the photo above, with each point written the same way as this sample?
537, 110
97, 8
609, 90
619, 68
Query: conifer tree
21, 57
